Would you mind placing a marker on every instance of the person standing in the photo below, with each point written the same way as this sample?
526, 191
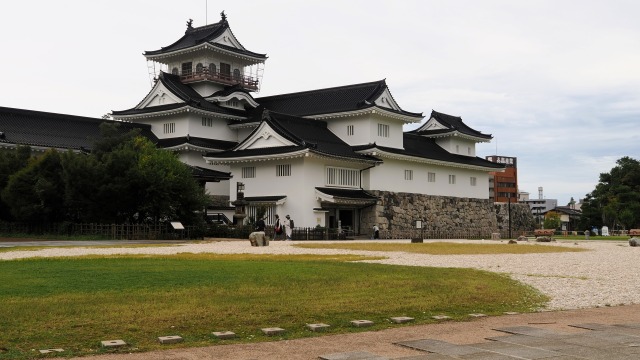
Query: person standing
288, 227
277, 228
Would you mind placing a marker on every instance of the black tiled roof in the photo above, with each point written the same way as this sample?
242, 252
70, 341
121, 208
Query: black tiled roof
422, 147
203, 34
328, 101
186, 94
347, 193
196, 141
209, 175
36, 128
452, 123
264, 199
304, 133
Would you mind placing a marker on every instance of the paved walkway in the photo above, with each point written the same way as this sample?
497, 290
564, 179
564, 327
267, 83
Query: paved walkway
7, 242
609, 333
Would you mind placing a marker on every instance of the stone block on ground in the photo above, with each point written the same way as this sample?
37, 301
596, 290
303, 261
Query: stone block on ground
317, 327
258, 238
171, 339
224, 334
477, 315
273, 331
634, 241
50, 351
495, 236
361, 323
441, 317
113, 343
401, 319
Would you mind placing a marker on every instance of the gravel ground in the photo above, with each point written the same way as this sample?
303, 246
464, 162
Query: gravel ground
603, 276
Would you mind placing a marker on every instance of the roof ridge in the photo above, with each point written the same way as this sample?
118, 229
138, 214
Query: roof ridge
378, 82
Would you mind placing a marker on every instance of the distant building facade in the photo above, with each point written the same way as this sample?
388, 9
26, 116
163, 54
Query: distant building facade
504, 185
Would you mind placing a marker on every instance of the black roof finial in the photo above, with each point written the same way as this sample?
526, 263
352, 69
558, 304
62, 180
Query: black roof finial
223, 16
189, 24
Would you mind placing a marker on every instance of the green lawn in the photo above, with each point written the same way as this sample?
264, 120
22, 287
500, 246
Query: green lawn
444, 248
74, 303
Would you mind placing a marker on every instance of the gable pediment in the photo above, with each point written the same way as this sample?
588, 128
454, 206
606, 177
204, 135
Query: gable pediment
432, 124
264, 137
228, 39
159, 95
385, 100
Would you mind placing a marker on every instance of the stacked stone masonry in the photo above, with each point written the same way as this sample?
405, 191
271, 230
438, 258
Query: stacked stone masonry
444, 216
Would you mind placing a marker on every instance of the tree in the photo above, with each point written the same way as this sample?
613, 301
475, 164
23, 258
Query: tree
552, 221
11, 161
615, 201
36, 193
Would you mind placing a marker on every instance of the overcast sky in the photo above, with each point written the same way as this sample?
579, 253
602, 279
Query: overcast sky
557, 83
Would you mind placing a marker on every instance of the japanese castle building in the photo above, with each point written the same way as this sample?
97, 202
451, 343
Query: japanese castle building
328, 157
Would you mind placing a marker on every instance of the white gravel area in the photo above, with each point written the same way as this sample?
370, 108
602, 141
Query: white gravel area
606, 275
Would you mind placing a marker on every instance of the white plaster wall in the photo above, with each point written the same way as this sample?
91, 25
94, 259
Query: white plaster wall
390, 176
465, 147
157, 125
219, 131
366, 130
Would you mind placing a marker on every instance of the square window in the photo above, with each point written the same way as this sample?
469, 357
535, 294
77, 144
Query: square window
408, 174
248, 172
431, 177
452, 179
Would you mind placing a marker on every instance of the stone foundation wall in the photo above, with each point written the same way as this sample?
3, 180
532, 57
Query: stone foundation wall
443, 216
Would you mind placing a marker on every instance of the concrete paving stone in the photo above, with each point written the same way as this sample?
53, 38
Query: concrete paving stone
352, 355
543, 343
50, 351
516, 351
531, 331
361, 323
591, 326
441, 317
431, 356
224, 334
113, 343
487, 356
273, 331
440, 347
401, 319
477, 315
583, 352
318, 327
170, 339
589, 342
618, 338
511, 313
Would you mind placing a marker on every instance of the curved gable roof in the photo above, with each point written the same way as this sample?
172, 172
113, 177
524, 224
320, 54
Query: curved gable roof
305, 134
204, 34
426, 148
329, 100
451, 124
186, 94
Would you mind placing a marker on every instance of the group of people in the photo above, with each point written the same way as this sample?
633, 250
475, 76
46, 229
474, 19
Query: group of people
283, 227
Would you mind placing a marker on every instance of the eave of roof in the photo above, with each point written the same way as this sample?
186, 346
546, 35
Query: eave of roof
453, 124
195, 143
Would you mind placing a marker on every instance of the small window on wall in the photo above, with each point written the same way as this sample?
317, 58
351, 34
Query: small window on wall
175, 71
473, 181
383, 130
349, 130
169, 128
431, 177
283, 170
236, 75
199, 68
207, 121
248, 172
452, 179
212, 69
225, 71
408, 175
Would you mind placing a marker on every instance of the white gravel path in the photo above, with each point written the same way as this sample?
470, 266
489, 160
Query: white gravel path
607, 275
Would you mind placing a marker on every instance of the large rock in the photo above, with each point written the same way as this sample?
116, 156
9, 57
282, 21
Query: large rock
258, 238
634, 241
